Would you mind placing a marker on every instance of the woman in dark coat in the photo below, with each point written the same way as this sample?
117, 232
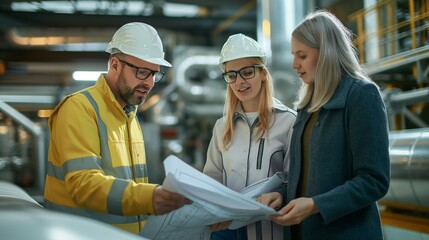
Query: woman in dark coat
339, 162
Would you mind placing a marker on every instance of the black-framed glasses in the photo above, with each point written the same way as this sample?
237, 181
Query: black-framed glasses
245, 73
143, 73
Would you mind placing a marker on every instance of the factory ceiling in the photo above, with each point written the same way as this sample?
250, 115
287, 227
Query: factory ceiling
41, 42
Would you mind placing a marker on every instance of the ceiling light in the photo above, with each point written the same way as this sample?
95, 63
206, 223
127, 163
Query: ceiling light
180, 10
86, 7
86, 75
44, 113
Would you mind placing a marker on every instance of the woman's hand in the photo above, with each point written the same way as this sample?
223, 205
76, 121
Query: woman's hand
273, 199
220, 226
295, 212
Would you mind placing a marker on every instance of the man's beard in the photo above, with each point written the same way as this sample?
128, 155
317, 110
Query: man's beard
127, 94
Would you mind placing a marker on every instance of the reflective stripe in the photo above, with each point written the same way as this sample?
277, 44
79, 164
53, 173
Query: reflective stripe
125, 172
103, 217
143, 217
115, 195
55, 171
140, 170
114, 202
72, 165
82, 164
102, 130
87, 163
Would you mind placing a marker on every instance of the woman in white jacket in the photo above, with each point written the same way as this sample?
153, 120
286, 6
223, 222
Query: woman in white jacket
251, 141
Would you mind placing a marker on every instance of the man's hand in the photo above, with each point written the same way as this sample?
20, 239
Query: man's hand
165, 201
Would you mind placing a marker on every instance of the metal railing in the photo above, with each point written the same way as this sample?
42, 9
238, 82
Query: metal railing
399, 27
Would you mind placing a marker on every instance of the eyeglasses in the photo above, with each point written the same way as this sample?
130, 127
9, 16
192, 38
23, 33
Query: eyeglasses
143, 73
245, 73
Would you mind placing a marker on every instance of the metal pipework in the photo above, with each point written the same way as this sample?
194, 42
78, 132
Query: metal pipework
397, 102
409, 157
409, 97
38, 134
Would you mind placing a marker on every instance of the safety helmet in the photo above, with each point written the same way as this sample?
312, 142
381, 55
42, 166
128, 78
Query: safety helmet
240, 46
139, 40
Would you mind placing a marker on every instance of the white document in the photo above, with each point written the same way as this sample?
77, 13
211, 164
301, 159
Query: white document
212, 203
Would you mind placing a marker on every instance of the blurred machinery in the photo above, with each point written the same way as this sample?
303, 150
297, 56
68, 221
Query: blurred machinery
22, 151
185, 111
407, 201
393, 44
18, 209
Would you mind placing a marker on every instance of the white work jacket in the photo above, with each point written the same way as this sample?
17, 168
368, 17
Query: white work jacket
249, 159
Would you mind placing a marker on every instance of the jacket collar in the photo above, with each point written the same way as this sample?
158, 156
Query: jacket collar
278, 107
105, 89
338, 100
108, 94
239, 112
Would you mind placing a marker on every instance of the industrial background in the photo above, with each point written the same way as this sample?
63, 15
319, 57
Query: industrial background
42, 44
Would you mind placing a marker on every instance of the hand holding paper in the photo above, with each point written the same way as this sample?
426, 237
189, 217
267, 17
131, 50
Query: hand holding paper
212, 203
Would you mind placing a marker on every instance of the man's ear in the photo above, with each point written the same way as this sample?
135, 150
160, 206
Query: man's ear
114, 64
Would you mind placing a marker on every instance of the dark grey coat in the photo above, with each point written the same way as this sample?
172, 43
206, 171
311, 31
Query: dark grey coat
349, 166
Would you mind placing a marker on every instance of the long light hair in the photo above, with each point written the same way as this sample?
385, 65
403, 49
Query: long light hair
337, 57
265, 108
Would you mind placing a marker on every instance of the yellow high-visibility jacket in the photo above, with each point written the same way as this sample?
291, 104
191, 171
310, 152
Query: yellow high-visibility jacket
96, 161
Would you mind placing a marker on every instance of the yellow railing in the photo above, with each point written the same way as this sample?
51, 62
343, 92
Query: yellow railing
398, 27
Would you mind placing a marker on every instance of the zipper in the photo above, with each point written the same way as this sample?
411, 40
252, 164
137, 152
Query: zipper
260, 154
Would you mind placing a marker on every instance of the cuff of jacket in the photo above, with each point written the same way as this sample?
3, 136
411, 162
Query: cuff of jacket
142, 199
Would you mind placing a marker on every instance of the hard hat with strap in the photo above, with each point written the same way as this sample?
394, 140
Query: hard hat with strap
139, 40
240, 46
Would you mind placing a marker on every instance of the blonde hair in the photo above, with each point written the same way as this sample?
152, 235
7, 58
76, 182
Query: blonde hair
265, 108
337, 56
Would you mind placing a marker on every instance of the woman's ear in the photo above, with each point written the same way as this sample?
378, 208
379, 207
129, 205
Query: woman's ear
264, 73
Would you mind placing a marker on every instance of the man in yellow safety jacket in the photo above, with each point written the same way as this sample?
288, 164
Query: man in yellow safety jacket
96, 162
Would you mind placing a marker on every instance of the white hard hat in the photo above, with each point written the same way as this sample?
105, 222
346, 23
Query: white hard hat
240, 46
139, 40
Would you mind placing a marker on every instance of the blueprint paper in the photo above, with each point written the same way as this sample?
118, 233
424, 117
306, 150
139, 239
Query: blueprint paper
212, 203
265, 185
255, 190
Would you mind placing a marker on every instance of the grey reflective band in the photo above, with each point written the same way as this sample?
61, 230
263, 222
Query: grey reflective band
102, 130
115, 195
73, 165
88, 163
124, 172
140, 170
103, 217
